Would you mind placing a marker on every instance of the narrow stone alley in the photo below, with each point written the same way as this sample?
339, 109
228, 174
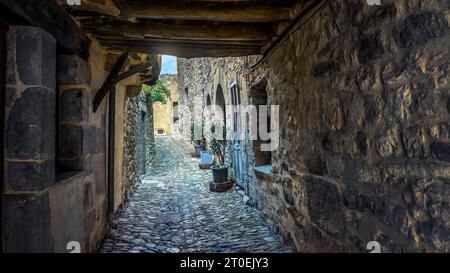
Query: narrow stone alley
174, 211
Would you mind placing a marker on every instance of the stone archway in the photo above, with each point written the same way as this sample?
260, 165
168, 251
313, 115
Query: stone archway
220, 114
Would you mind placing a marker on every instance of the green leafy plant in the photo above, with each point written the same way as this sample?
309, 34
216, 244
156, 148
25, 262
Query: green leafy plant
217, 147
158, 92
196, 128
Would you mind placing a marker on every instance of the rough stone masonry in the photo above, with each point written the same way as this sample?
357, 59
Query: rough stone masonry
365, 133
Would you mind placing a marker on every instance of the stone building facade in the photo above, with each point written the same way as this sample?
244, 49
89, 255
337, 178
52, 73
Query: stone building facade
166, 116
138, 140
55, 187
364, 116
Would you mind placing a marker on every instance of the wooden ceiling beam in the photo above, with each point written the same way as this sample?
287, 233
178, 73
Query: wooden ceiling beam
194, 43
184, 50
108, 8
225, 13
51, 17
242, 32
131, 39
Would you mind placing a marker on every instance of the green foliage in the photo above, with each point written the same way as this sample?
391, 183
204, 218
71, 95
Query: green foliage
217, 147
197, 129
158, 92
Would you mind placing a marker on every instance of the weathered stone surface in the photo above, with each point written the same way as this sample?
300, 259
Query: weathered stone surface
72, 70
30, 127
441, 151
31, 176
363, 140
173, 211
35, 56
138, 139
418, 29
90, 140
74, 105
71, 141
370, 48
27, 224
322, 68
324, 204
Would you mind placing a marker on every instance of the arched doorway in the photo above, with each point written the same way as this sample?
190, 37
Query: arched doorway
219, 109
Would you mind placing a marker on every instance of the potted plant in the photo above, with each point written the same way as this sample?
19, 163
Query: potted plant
217, 147
199, 144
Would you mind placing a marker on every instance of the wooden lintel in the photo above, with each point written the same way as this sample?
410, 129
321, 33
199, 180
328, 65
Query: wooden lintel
240, 32
187, 51
182, 42
193, 11
134, 70
51, 17
108, 8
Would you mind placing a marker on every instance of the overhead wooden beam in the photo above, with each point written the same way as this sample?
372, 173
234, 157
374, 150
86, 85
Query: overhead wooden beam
185, 50
241, 32
108, 8
133, 70
110, 81
126, 38
51, 17
193, 11
182, 43
259, 2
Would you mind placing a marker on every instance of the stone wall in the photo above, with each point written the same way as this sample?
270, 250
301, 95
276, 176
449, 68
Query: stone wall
164, 113
364, 147
56, 147
55, 185
138, 140
194, 77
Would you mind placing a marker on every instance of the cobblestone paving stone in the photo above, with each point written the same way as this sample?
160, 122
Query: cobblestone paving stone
173, 211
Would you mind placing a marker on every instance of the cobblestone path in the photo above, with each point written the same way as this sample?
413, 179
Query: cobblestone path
174, 211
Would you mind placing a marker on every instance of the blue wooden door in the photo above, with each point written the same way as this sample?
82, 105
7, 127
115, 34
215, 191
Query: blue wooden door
237, 143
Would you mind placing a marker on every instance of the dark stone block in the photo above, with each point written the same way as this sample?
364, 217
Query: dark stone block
11, 57
315, 164
370, 48
327, 142
73, 70
71, 142
31, 176
73, 105
10, 96
27, 224
441, 151
413, 142
324, 203
371, 107
361, 141
323, 197
75, 164
324, 68
355, 200
35, 56
380, 15
30, 128
418, 29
